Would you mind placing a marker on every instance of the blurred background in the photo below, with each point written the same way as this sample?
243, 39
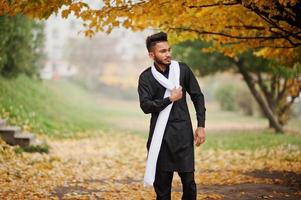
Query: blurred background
61, 82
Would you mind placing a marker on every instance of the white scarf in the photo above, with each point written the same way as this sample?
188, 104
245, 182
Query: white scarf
170, 83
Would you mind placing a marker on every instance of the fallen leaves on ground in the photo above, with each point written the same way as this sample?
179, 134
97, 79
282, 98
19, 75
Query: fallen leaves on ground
111, 166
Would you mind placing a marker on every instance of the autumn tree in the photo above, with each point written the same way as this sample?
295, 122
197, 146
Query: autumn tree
21, 46
270, 27
269, 82
258, 23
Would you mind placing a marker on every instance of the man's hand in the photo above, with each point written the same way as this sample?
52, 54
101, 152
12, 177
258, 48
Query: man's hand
176, 94
199, 136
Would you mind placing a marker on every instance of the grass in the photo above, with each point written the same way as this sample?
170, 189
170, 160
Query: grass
250, 140
245, 140
43, 148
51, 108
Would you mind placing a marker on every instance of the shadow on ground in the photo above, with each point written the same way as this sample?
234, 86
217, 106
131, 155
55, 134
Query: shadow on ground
285, 186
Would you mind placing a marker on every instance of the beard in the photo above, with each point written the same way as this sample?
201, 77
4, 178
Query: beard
161, 61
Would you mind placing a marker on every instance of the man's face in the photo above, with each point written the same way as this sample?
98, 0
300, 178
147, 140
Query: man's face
161, 53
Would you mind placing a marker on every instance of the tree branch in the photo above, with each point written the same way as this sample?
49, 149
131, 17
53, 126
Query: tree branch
260, 100
264, 89
216, 4
246, 27
282, 91
285, 15
274, 37
225, 34
287, 106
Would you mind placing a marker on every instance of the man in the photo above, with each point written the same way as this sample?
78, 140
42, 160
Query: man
177, 147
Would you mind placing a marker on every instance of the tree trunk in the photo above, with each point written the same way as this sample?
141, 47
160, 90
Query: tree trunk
273, 122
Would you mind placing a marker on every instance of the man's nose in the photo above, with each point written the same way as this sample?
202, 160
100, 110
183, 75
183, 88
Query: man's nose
168, 53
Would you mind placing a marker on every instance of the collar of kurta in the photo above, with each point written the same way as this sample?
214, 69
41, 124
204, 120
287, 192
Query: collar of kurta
159, 69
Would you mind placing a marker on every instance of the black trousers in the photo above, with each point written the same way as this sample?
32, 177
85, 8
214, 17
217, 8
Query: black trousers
163, 183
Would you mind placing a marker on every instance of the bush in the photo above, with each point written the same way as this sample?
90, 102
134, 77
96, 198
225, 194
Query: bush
42, 148
245, 101
225, 95
237, 98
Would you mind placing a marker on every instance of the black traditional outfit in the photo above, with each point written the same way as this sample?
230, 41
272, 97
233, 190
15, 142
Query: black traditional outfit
177, 148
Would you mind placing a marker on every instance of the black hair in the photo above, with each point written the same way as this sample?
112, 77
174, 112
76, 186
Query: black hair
152, 40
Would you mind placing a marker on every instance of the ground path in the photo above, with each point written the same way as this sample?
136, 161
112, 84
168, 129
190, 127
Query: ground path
112, 167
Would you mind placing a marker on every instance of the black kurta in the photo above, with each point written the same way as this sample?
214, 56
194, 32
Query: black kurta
177, 148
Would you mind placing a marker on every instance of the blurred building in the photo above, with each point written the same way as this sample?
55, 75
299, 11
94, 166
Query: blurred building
129, 51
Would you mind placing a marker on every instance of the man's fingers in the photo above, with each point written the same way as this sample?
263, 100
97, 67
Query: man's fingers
198, 140
195, 138
199, 136
202, 139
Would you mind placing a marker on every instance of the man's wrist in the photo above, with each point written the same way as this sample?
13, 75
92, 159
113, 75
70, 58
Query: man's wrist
167, 101
201, 124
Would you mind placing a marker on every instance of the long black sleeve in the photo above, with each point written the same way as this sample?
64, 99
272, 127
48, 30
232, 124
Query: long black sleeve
196, 96
147, 103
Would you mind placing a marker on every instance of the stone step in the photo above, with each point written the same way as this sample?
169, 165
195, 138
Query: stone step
24, 139
2, 122
8, 134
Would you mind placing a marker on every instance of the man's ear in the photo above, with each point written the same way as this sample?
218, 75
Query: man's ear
151, 55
